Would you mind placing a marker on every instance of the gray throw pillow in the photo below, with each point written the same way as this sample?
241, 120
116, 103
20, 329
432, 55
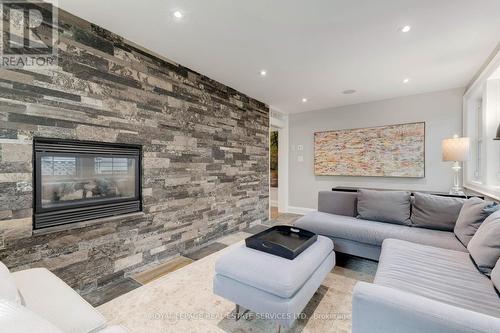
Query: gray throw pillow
435, 212
473, 213
484, 247
384, 206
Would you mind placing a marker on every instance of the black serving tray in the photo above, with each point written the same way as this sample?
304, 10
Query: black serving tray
282, 240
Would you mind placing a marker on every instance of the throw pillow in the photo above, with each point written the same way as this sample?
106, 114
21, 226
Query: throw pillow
8, 289
473, 213
384, 206
435, 212
495, 275
484, 247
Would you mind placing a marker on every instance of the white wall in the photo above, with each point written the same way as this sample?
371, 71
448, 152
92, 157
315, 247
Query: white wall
441, 111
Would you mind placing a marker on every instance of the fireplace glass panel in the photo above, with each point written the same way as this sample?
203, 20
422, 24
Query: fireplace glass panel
78, 181
86, 179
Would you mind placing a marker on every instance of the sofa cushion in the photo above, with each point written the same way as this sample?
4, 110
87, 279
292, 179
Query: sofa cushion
495, 275
338, 202
270, 273
484, 247
8, 289
15, 318
443, 275
384, 206
435, 212
473, 213
372, 232
51, 298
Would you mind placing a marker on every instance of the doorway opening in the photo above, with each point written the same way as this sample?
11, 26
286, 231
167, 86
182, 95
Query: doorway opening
274, 170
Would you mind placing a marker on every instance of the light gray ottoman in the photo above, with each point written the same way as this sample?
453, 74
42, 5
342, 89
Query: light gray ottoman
271, 286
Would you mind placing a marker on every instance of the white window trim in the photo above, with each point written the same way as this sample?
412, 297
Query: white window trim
489, 191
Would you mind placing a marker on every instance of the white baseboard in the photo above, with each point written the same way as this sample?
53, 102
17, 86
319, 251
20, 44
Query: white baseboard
300, 210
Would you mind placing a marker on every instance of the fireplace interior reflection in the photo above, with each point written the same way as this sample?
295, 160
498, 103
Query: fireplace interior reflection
75, 179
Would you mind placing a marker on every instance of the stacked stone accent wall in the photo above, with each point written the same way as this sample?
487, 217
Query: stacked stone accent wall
205, 155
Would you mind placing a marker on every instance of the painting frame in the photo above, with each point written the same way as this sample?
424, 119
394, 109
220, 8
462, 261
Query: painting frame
421, 171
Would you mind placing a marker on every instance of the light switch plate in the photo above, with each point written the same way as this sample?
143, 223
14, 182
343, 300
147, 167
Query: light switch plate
300, 147
300, 158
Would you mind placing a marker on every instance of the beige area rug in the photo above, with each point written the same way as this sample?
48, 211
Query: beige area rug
183, 301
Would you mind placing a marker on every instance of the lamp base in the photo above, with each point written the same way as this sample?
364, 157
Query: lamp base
457, 191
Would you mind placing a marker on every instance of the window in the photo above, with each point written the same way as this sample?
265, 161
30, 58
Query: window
112, 166
481, 120
58, 166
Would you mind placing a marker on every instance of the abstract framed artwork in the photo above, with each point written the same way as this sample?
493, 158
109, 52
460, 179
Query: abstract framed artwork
384, 151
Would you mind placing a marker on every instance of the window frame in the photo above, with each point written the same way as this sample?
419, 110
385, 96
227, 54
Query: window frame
481, 135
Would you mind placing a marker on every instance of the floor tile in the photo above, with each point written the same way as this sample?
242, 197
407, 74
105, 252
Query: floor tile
205, 251
274, 212
234, 238
111, 291
285, 218
256, 229
162, 269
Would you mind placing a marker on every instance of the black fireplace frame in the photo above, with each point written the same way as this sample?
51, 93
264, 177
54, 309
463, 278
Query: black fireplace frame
80, 212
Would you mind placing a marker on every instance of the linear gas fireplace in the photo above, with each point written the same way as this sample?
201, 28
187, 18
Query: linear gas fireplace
77, 181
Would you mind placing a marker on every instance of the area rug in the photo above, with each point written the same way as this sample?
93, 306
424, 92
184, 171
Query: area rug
183, 301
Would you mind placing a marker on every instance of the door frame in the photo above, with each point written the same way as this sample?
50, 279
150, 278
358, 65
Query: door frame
281, 125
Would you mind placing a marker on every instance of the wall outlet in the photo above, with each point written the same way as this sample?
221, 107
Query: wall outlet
300, 158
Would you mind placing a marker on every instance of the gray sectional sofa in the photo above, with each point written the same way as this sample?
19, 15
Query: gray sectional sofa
421, 288
427, 280
336, 218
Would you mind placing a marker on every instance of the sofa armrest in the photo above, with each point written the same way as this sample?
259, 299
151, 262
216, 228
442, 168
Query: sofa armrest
51, 298
15, 318
380, 309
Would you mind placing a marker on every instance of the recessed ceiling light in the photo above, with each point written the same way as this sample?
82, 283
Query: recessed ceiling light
263, 72
349, 91
406, 80
178, 14
406, 28
304, 100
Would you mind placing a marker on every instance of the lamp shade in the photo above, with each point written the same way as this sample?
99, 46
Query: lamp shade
456, 149
498, 133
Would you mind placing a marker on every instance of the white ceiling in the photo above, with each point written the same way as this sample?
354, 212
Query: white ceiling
314, 49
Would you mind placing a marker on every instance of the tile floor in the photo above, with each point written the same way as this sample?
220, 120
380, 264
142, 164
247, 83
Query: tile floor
111, 291
160, 270
124, 285
183, 301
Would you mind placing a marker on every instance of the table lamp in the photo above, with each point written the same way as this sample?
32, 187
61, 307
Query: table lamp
456, 150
